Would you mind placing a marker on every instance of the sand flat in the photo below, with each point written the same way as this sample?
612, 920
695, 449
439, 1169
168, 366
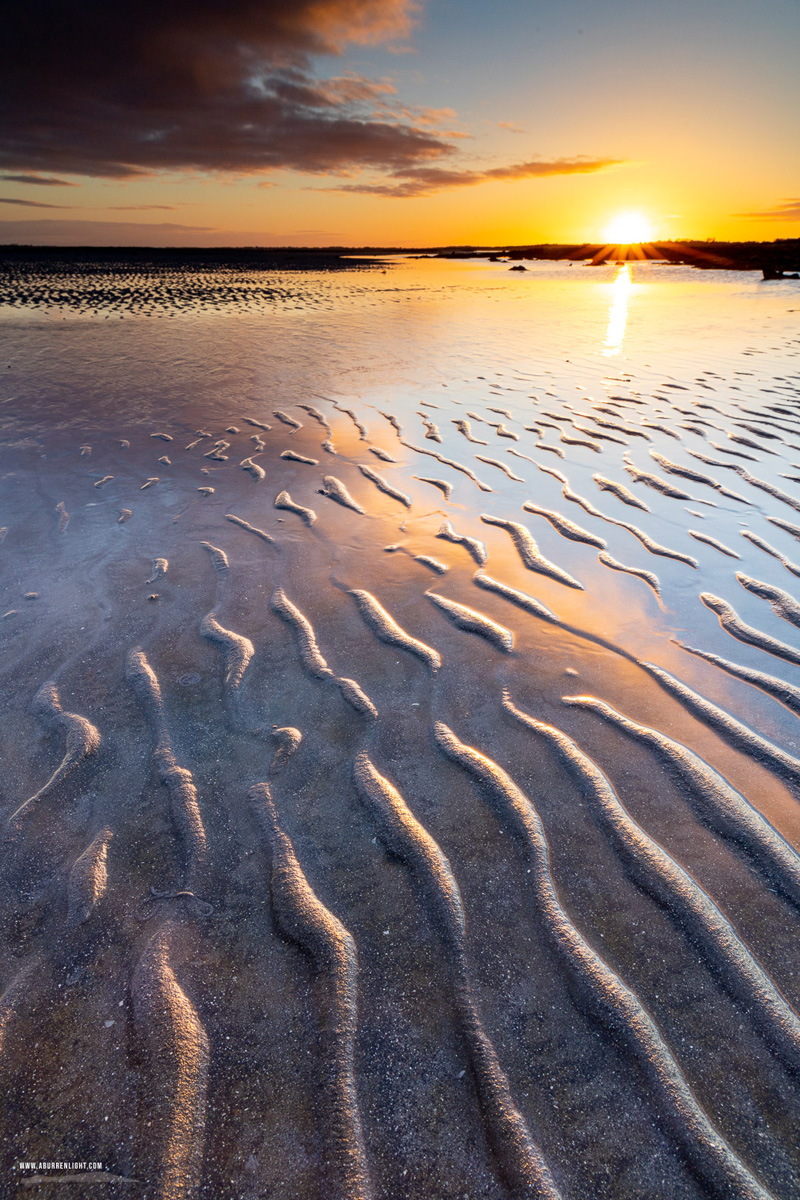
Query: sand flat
322, 876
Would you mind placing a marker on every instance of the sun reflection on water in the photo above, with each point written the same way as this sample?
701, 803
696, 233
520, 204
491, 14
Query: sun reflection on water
618, 316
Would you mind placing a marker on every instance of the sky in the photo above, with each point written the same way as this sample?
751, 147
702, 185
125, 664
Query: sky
391, 122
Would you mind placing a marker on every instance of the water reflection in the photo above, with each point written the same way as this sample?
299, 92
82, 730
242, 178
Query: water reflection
618, 317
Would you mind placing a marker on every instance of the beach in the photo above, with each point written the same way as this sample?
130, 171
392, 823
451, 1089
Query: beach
400, 752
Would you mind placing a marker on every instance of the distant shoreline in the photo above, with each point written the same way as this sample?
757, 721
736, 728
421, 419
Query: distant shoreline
780, 255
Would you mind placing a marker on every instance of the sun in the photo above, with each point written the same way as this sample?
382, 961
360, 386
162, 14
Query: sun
627, 228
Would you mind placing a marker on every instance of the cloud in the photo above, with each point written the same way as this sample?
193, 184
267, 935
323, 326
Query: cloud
424, 181
140, 207
31, 203
41, 180
68, 232
510, 125
788, 211
115, 90
78, 232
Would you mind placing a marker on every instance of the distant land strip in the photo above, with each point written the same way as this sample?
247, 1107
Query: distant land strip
773, 258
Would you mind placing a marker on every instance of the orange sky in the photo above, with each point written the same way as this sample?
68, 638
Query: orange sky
369, 122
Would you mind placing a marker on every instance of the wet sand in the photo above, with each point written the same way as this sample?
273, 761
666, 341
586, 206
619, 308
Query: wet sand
381, 823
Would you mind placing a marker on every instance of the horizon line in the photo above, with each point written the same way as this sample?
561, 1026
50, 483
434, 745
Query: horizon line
495, 248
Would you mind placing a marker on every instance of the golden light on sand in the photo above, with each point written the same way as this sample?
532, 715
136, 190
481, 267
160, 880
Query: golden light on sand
627, 228
618, 316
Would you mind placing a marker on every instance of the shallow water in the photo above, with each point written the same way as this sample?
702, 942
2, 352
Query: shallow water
465, 1008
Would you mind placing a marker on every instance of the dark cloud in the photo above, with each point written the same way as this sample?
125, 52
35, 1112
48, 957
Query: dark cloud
40, 180
423, 181
97, 88
788, 211
69, 232
30, 203
77, 232
115, 90
141, 207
